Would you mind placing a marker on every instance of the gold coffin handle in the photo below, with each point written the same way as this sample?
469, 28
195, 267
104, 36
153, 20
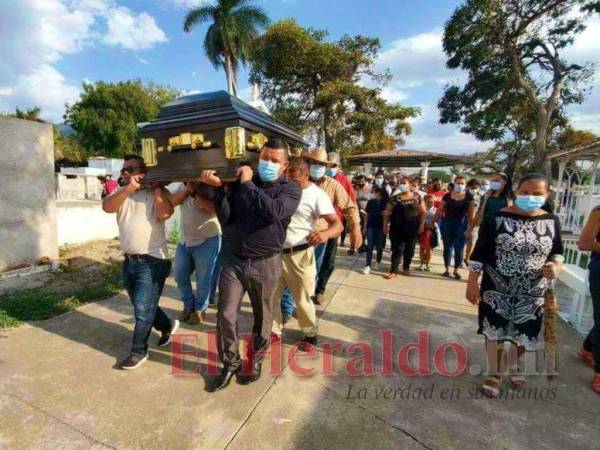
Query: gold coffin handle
149, 152
257, 140
235, 142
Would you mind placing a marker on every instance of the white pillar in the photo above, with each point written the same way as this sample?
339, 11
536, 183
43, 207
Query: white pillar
562, 165
592, 186
458, 168
424, 170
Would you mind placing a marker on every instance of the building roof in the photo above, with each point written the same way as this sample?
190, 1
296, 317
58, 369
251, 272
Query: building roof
410, 158
589, 151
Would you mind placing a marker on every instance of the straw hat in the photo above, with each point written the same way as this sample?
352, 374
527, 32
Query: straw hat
317, 156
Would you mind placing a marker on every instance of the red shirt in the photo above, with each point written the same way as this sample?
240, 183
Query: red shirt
347, 185
437, 197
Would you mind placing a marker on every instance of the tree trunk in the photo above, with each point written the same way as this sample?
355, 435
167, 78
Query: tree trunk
540, 160
329, 146
230, 76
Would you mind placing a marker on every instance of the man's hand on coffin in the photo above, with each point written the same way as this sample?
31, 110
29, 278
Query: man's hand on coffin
245, 173
135, 183
209, 177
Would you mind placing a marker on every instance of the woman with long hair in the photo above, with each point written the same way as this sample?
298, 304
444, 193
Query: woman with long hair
403, 219
517, 252
456, 212
590, 241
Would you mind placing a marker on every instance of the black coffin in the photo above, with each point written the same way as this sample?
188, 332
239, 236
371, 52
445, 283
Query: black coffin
209, 131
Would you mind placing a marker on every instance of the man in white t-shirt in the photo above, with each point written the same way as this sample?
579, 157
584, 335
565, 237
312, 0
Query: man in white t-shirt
141, 212
298, 259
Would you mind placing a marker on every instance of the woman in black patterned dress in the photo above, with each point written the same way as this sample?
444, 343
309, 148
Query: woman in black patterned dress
517, 253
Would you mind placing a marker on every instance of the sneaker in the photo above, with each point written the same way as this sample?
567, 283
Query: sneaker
420, 268
427, 269
307, 343
133, 361
185, 315
165, 337
406, 272
446, 274
586, 356
367, 270
197, 317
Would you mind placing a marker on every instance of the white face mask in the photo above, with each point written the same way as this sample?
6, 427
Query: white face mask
403, 187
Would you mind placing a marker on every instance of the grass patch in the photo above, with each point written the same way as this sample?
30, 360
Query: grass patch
63, 293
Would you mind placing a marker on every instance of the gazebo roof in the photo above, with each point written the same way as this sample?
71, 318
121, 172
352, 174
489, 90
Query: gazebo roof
589, 151
409, 158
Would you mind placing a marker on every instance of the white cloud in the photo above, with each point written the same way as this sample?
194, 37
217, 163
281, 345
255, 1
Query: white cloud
416, 60
36, 34
184, 4
130, 31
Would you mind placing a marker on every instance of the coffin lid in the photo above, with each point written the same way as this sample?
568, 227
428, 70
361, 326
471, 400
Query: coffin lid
215, 108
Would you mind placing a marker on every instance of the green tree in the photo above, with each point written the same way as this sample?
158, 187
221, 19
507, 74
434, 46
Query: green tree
106, 116
328, 90
234, 24
27, 114
67, 150
513, 49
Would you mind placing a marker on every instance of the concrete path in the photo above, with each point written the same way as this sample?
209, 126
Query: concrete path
59, 387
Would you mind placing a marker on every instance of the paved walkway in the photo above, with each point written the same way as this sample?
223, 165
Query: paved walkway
59, 387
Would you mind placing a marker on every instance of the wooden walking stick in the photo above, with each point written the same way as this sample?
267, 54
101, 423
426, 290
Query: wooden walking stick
550, 338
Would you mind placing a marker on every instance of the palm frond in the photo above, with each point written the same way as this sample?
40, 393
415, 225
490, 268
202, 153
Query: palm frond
213, 46
196, 16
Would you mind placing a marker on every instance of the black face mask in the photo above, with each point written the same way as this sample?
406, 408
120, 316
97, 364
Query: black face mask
121, 181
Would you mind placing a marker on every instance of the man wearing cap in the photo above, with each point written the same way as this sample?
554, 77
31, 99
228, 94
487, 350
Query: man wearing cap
325, 253
254, 213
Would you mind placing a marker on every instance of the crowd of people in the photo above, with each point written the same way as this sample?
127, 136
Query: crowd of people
274, 235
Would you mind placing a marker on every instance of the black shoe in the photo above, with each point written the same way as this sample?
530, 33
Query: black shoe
307, 343
457, 276
133, 361
227, 373
446, 274
165, 337
255, 375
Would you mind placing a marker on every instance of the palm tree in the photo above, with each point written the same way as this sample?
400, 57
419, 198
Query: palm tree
234, 25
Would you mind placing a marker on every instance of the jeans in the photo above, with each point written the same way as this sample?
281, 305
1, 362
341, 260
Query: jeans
375, 240
453, 235
327, 265
592, 342
144, 280
215, 280
403, 245
201, 259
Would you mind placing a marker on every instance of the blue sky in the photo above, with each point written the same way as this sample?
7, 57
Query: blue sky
49, 47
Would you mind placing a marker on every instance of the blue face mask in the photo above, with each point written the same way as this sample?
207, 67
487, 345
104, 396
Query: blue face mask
268, 171
460, 187
495, 185
332, 172
529, 203
379, 181
317, 172
403, 188
484, 188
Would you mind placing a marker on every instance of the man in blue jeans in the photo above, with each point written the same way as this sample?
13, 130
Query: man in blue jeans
199, 250
141, 211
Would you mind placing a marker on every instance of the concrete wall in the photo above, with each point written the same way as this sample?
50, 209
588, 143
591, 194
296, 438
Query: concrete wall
80, 187
83, 221
28, 217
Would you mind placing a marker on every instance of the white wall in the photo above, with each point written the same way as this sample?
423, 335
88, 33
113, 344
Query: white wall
83, 221
28, 220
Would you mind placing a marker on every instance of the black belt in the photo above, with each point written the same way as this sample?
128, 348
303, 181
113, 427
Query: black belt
257, 258
295, 249
143, 257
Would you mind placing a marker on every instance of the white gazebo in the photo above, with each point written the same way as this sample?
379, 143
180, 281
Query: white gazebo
576, 194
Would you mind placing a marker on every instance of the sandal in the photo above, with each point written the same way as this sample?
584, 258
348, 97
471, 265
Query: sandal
491, 386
